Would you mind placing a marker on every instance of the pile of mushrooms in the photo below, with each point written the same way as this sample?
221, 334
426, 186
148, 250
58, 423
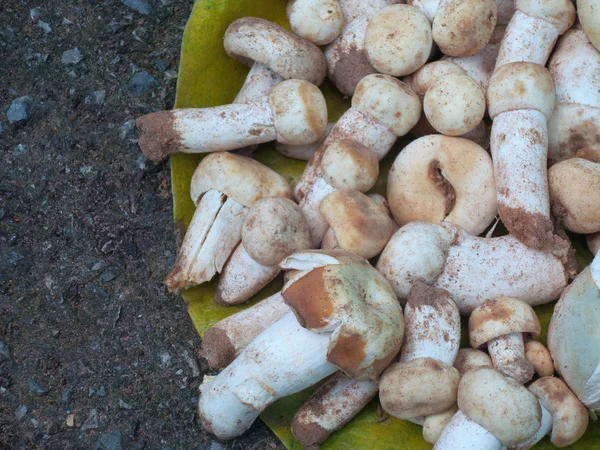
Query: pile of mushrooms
503, 99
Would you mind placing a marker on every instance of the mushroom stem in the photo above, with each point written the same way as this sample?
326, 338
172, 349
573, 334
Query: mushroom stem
544, 429
508, 355
213, 233
310, 207
259, 82
225, 340
435, 423
302, 152
330, 407
281, 361
462, 433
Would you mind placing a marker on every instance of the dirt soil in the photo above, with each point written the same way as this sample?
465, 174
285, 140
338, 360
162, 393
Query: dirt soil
94, 352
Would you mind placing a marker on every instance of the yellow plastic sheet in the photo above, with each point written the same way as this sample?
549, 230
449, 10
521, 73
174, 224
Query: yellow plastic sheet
208, 77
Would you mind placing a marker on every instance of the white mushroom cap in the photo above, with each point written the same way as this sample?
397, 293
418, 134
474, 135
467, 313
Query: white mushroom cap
569, 416
575, 194
435, 423
299, 112
560, 13
243, 179
500, 405
589, 16
440, 178
593, 242
274, 227
347, 164
318, 21
471, 359
252, 39
398, 40
419, 387
499, 317
389, 101
521, 85
426, 75
539, 357
463, 27
574, 132
454, 104
359, 224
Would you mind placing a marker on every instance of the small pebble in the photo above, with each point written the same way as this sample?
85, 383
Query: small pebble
124, 405
36, 389
162, 65
107, 276
66, 22
20, 412
65, 397
44, 26
96, 98
165, 359
92, 421
14, 257
34, 13
109, 441
141, 6
141, 83
127, 129
72, 56
70, 421
17, 112
214, 445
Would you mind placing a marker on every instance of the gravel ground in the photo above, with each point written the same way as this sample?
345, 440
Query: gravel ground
94, 353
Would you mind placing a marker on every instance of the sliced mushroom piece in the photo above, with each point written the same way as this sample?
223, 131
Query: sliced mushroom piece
223, 187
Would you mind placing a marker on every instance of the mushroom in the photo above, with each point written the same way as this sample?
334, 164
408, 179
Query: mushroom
398, 40
347, 62
500, 323
593, 242
520, 100
539, 357
589, 17
460, 27
574, 336
383, 109
562, 413
424, 382
495, 411
441, 178
472, 269
318, 21
471, 359
575, 194
357, 223
223, 187
573, 127
434, 424
303, 152
344, 316
273, 228
294, 112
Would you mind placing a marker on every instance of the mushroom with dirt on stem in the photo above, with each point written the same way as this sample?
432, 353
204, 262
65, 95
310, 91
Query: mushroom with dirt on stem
223, 187
317, 21
343, 316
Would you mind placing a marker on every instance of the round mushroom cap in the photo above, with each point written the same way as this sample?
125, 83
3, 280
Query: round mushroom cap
500, 405
454, 104
539, 357
359, 307
574, 132
398, 40
575, 194
423, 78
569, 416
435, 423
471, 359
389, 101
560, 13
319, 21
440, 178
348, 164
359, 224
463, 27
273, 228
299, 112
419, 387
589, 17
252, 39
521, 85
593, 242
500, 316
243, 179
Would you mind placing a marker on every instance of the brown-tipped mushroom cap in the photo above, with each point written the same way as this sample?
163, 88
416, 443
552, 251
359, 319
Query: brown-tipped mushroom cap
575, 194
358, 305
252, 39
299, 112
500, 316
569, 416
347, 164
273, 228
243, 179
500, 405
419, 387
539, 357
423, 78
398, 40
471, 359
454, 104
389, 101
463, 27
359, 224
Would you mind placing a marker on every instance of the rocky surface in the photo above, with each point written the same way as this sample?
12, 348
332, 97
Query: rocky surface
94, 353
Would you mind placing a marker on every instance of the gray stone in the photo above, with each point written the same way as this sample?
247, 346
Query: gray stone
141, 83
214, 445
20, 412
109, 441
4, 351
66, 22
14, 257
127, 129
108, 275
34, 13
36, 388
162, 65
20, 150
44, 26
65, 397
124, 405
17, 112
96, 97
72, 56
92, 421
141, 6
